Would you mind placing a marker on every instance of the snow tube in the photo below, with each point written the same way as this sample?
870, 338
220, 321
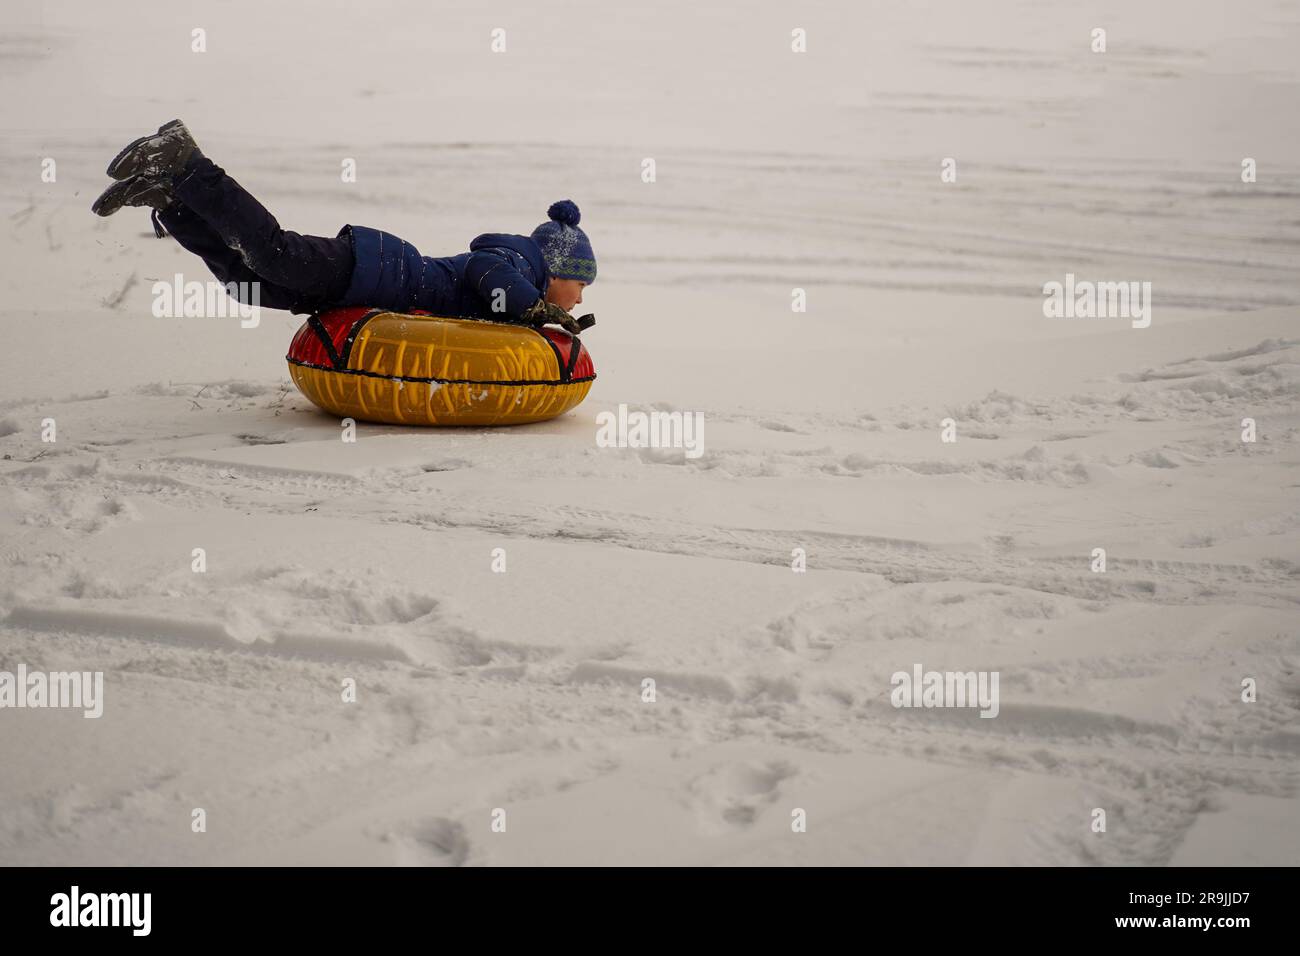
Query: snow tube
420, 369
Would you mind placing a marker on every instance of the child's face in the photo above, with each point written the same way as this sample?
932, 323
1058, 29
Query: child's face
566, 293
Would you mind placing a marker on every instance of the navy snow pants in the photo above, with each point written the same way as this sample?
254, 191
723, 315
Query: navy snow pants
219, 221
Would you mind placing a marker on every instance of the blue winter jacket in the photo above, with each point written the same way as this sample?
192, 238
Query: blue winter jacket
390, 273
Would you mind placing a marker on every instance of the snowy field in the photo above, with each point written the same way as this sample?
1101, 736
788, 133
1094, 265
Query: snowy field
480, 691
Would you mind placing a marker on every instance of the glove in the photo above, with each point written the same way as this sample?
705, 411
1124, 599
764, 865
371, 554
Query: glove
542, 312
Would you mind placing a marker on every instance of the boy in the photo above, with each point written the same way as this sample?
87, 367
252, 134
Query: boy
533, 279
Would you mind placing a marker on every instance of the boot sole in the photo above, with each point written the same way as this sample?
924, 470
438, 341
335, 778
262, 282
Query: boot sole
109, 201
118, 169
112, 199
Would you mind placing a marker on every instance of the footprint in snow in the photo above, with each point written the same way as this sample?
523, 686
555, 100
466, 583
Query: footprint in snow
449, 464
734, 795
433, 841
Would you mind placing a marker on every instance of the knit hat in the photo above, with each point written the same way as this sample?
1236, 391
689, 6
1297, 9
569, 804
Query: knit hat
565, 247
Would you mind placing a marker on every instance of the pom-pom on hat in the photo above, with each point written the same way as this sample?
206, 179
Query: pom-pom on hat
565, 247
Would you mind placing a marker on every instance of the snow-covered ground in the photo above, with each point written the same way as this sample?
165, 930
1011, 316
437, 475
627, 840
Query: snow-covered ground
521, 691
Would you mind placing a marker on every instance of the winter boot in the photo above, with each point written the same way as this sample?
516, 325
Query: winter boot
162, 153
136, 191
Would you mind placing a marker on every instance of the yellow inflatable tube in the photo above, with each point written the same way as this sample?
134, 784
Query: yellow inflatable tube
401, 369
